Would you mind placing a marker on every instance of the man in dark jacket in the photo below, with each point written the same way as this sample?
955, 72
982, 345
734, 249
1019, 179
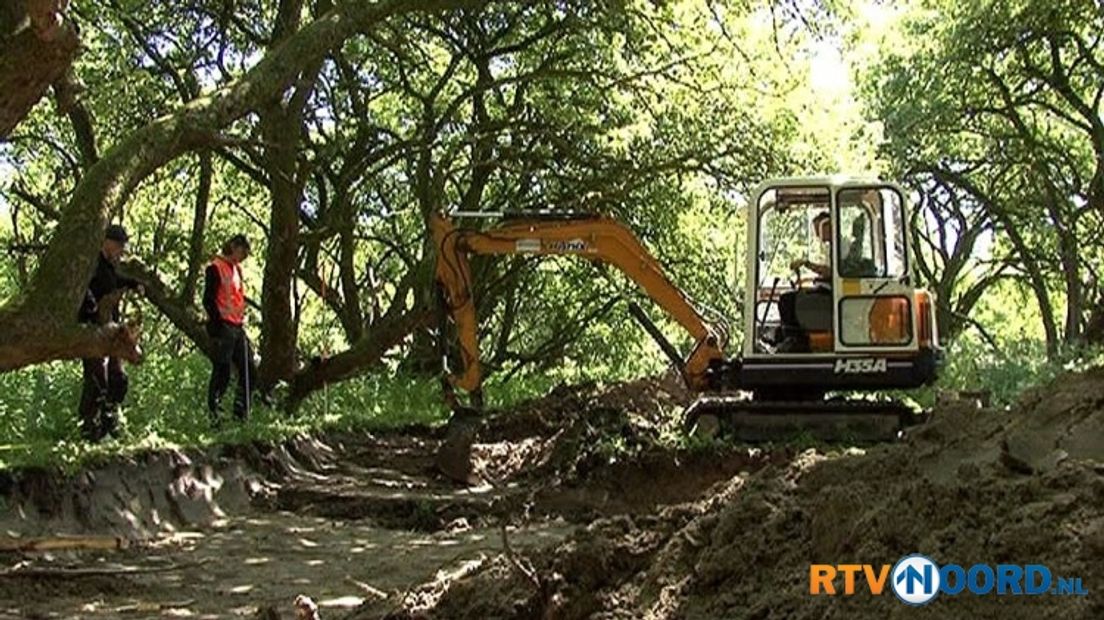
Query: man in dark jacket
105, 383
224, 302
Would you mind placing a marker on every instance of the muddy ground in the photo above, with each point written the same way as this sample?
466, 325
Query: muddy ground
587, 509
1023, 485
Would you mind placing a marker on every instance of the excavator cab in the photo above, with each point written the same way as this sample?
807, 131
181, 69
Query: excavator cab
831, 304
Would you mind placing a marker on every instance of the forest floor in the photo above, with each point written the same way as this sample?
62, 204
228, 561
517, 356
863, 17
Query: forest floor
589, 510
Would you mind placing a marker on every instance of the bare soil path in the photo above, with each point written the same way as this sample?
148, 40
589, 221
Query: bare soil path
345, 522
247, 563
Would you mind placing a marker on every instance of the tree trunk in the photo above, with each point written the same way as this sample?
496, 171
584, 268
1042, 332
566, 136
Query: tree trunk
1094, 328
199, 229
350, 291
281, 128
281, 131
1069, 256
1038, 285
1071, 272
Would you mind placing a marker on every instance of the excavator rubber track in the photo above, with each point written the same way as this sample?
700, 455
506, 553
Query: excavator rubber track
834, 420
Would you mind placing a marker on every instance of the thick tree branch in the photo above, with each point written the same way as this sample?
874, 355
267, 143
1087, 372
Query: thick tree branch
365, 354
29, 63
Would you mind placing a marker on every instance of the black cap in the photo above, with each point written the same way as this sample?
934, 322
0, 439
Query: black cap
237, 241
116, 232
240, 241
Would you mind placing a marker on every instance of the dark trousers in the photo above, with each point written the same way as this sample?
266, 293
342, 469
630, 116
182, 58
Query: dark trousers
105, 387
787, 309
231, 351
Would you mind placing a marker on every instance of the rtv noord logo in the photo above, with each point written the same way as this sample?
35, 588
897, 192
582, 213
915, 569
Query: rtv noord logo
917, 580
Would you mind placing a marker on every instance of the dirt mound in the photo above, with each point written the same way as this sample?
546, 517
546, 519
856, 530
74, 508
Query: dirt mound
649, 403
974, 486
575, 429
587, 451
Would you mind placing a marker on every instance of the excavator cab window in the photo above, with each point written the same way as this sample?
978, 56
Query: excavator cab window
793, 310
790, 226
871, 233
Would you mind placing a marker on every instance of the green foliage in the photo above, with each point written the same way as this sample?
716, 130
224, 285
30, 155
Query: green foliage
973, 365
994, 108
166, 407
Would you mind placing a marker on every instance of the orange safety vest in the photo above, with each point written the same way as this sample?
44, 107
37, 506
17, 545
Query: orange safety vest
230, 296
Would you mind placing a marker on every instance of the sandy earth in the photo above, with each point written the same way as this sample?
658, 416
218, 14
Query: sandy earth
243, 563
356, 520
1023, 485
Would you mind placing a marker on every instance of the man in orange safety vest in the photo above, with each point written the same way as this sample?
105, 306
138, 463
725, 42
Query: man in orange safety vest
224, 302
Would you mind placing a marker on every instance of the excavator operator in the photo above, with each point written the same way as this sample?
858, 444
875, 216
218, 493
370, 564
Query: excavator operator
817, 298
822, 225
804, 309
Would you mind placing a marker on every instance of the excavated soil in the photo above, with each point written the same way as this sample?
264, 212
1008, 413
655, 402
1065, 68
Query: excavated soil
1021, 486
353, 521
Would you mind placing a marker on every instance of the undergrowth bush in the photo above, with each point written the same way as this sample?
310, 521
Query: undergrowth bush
974, 365
166, 407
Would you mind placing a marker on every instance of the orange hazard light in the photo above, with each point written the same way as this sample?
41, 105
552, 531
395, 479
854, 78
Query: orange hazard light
924, 318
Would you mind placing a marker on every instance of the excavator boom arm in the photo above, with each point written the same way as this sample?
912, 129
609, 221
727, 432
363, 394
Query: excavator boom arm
592, 237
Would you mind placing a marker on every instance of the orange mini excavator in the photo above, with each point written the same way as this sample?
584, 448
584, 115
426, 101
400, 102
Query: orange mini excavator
830, 307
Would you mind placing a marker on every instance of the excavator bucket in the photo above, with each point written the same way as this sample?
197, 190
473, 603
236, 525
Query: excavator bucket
454, 456
834, 420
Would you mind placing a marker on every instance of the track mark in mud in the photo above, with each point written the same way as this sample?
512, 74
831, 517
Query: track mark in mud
391, 482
